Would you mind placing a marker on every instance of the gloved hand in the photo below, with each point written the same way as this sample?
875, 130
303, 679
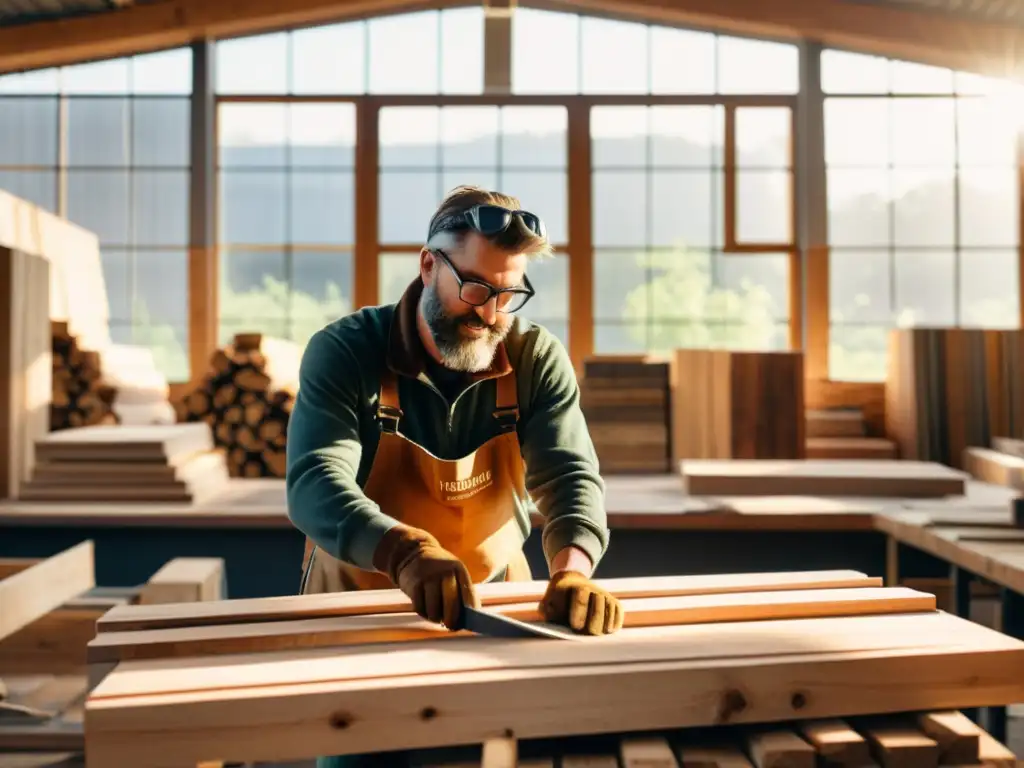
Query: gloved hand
436, 581
575, 601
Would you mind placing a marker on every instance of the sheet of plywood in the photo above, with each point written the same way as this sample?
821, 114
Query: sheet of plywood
126, 618
159, 443
25, 370
642, 612
281, 706
821, 477
39, 589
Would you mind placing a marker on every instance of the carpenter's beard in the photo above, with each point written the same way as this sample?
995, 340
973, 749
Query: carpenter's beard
459, 352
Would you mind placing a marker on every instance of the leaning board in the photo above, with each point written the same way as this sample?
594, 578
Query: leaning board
821, 477
425, 693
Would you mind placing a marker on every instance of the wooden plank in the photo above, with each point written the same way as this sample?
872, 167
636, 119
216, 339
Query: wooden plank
643, 612
958, 738
819, 477
646, 752
35, 591
897, 746
499, 753
296, 705
713, 757
837, 744
185, 580
127, 618
780, 748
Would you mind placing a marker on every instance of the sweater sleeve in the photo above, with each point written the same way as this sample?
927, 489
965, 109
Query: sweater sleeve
324, 450
562, 473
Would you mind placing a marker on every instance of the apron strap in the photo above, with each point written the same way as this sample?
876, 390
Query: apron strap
388, 410
506, 409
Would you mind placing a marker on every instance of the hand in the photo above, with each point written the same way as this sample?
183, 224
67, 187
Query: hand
575, 601
436, 581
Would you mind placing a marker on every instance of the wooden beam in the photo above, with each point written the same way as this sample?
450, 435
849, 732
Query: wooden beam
992, 49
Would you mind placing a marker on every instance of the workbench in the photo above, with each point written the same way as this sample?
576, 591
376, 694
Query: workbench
656, 529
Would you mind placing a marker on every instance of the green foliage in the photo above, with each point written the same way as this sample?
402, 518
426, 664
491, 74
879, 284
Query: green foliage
679, 306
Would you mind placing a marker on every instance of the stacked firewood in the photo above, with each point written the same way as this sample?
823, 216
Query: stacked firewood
247, 397
79, 398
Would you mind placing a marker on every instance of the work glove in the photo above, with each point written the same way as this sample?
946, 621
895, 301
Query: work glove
436, 581
575, 601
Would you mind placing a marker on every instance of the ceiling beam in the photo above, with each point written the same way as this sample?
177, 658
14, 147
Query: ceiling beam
993, 49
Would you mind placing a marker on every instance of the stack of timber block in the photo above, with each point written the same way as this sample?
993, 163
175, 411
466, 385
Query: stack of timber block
839, 433
25, 367
948, 389
795, 658
43, 666
80, 398
247, 397
737, 405
626, 403
165, 463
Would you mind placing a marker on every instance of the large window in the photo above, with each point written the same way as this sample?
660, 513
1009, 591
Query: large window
107, 145
923, 204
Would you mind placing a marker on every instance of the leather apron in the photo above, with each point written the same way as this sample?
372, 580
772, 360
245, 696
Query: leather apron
468, 504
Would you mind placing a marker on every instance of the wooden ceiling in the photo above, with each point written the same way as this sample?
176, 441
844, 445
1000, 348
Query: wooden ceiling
908, 29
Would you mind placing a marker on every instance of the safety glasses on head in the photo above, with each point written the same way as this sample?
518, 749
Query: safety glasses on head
489, 220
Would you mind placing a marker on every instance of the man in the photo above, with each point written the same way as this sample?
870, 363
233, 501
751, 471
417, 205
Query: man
421, 431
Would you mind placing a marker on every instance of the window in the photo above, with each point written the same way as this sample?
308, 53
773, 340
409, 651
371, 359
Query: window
661, 279
647, 59
114, 136
923, 204
360, 57
286, 217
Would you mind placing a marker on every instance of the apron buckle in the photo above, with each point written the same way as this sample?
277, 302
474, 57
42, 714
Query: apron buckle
388, 417
507, 417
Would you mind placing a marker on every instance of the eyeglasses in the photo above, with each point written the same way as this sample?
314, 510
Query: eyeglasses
490, 220
476, 293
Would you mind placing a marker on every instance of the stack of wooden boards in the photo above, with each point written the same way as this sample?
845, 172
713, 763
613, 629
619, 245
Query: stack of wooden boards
922, 740
296, 677
246, 398
1002, 464
737, 405
840, 433
951, 388
626, 404
167, 463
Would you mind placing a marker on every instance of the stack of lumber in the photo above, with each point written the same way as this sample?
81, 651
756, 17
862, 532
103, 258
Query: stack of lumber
168, 463
79, 398
43, 668
839, 433
927, 739
626, 404
246, 397
296, 677
948, 389
24, 363
737, 405
822, 477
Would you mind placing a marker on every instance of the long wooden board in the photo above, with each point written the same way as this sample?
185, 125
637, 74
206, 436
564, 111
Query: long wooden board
394, 696
124, 618
403, 627
35, 591
821, 477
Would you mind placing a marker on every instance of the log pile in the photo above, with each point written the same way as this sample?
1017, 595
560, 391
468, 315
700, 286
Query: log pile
80, 398
246, 397
625, 401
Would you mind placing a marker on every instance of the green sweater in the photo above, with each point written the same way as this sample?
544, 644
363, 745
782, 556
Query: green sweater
333, 432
